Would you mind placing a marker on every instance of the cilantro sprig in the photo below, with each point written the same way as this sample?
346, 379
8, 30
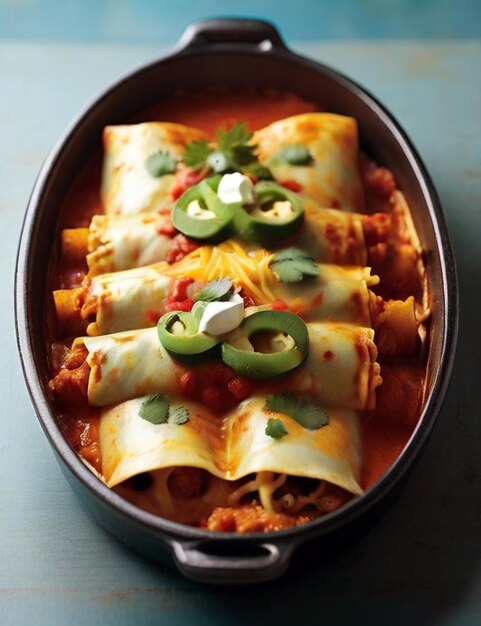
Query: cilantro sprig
196, 153
293, 265
217, 290
232, 152
305, 412
157, 409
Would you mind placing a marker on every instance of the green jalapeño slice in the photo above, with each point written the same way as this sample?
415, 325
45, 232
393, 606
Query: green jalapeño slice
278, 213
199, 213
179, 333
266, 344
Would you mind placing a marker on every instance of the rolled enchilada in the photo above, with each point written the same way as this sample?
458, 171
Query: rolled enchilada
127, 184
319, 152
340, 370
137, 298
328, 173
131, 445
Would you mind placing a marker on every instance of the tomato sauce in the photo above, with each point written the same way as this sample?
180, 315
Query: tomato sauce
383, 437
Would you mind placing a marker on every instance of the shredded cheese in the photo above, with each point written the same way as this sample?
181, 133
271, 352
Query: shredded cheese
249, 270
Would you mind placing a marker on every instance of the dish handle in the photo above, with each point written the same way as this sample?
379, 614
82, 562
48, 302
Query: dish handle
231, 563
207, 33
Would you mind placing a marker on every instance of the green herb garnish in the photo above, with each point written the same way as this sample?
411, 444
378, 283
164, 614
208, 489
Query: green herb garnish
160, 163
236, 136
233, 153
293, 265
294, 155
305, 412
275, 428
217, 290
258, 170
196, 153
156, 409
178, 415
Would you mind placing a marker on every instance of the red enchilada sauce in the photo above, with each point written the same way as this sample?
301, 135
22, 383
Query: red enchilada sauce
385, 431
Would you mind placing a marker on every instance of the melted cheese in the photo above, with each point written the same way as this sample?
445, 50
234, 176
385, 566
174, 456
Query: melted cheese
118, 243
124, 299
340, 369
332, 236
332, 179
130, 445
128, 300
127, 365
127, 186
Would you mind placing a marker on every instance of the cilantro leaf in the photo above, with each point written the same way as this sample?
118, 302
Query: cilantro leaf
275, 428
242, 156
305, 412
258, 170
220, 290
196, 153
178, 415
160, 163
293, 265
238, 135
231, 154
294, 155
155, 409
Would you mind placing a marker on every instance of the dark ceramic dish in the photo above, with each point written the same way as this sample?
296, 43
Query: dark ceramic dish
240, 53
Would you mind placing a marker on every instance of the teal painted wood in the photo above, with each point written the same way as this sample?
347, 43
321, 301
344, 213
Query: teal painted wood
421, 564
150, 21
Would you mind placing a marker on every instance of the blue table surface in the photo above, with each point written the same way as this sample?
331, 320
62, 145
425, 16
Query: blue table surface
421, 564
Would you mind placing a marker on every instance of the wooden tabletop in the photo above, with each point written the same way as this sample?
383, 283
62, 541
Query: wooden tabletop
421, 564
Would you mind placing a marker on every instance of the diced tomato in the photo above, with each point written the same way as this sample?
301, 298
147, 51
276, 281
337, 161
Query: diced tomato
228, 374
179, 248
153, 316
291, 184
220, 373
252, 178
240, 387
179, 289
380, 181
248, 301
185, 180
167, 229
317, 300
298, 306
279, 305
212, 398
183, 305
188, 382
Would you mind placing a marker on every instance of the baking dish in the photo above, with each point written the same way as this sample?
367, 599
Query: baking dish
240, 53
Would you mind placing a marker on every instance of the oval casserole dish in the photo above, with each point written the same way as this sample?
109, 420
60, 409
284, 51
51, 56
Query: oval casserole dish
240, 54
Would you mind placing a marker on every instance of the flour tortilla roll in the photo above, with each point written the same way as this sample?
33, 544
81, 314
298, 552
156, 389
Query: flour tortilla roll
127, 186
331, 178
332, 236
340, 369
117, 243
127, 365
137, 298
130, 445
127, 300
